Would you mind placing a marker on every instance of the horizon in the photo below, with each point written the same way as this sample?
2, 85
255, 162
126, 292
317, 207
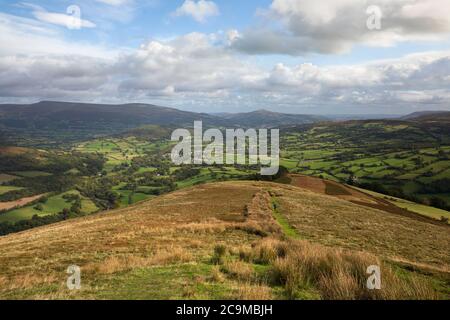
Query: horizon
289, 56
237, 112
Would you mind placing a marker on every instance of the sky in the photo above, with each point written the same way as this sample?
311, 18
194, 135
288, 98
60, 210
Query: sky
292, 56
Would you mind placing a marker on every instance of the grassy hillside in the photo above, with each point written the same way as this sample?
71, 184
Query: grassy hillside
51, 124
369, 198
57, 124
248, 240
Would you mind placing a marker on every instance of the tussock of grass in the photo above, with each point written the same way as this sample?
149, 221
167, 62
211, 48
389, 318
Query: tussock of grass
238, 269
248, 291
310, 271
217, 275
336, 274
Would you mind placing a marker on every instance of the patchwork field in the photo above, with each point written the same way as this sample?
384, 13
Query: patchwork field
374, 155
247, 240
120, 150
15, 204
5, 189
52, 205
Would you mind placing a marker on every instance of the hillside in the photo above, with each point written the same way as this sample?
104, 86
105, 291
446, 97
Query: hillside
57, 124
248, 240
428, 116
49, 124
55, 114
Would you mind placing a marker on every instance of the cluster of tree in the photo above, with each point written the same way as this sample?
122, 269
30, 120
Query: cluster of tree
185, 173
397, 192
100, 192
52, 162
38, 185
279, 176
438, 186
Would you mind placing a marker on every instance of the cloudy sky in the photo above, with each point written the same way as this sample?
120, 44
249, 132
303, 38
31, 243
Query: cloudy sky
295, 56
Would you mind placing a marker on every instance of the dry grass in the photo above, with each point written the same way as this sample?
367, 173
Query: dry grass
312, 271
217, 275
337, 274
187, 225
174, 228
115, 264
338, 223
249, 291
238, 270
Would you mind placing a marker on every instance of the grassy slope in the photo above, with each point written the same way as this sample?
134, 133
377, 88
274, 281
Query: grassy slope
428, 211
162, 248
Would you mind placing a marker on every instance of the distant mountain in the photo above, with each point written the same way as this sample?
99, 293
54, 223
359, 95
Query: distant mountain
428, 116
49, 114
50, 123
264, 118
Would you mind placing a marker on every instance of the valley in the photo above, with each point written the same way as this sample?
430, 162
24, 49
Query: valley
349, 194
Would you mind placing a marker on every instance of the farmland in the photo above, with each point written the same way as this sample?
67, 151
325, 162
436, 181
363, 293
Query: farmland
348, 195
51, 206
124, 169
374, 155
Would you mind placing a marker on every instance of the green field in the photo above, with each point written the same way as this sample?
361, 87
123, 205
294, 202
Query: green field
53, 205
128, 197
5, 189
373, 153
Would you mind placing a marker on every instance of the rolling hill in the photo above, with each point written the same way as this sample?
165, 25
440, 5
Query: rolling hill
52, 123
49, 123
428, 116
55, 114
246, 240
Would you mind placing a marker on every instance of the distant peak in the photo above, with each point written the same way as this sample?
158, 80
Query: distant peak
263, 111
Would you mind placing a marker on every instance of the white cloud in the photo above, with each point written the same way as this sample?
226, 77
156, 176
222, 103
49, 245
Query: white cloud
115, 3
198, 10
23, 36
326, 26
197, 70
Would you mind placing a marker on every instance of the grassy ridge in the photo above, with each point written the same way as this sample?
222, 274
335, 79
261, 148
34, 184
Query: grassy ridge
220, 241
